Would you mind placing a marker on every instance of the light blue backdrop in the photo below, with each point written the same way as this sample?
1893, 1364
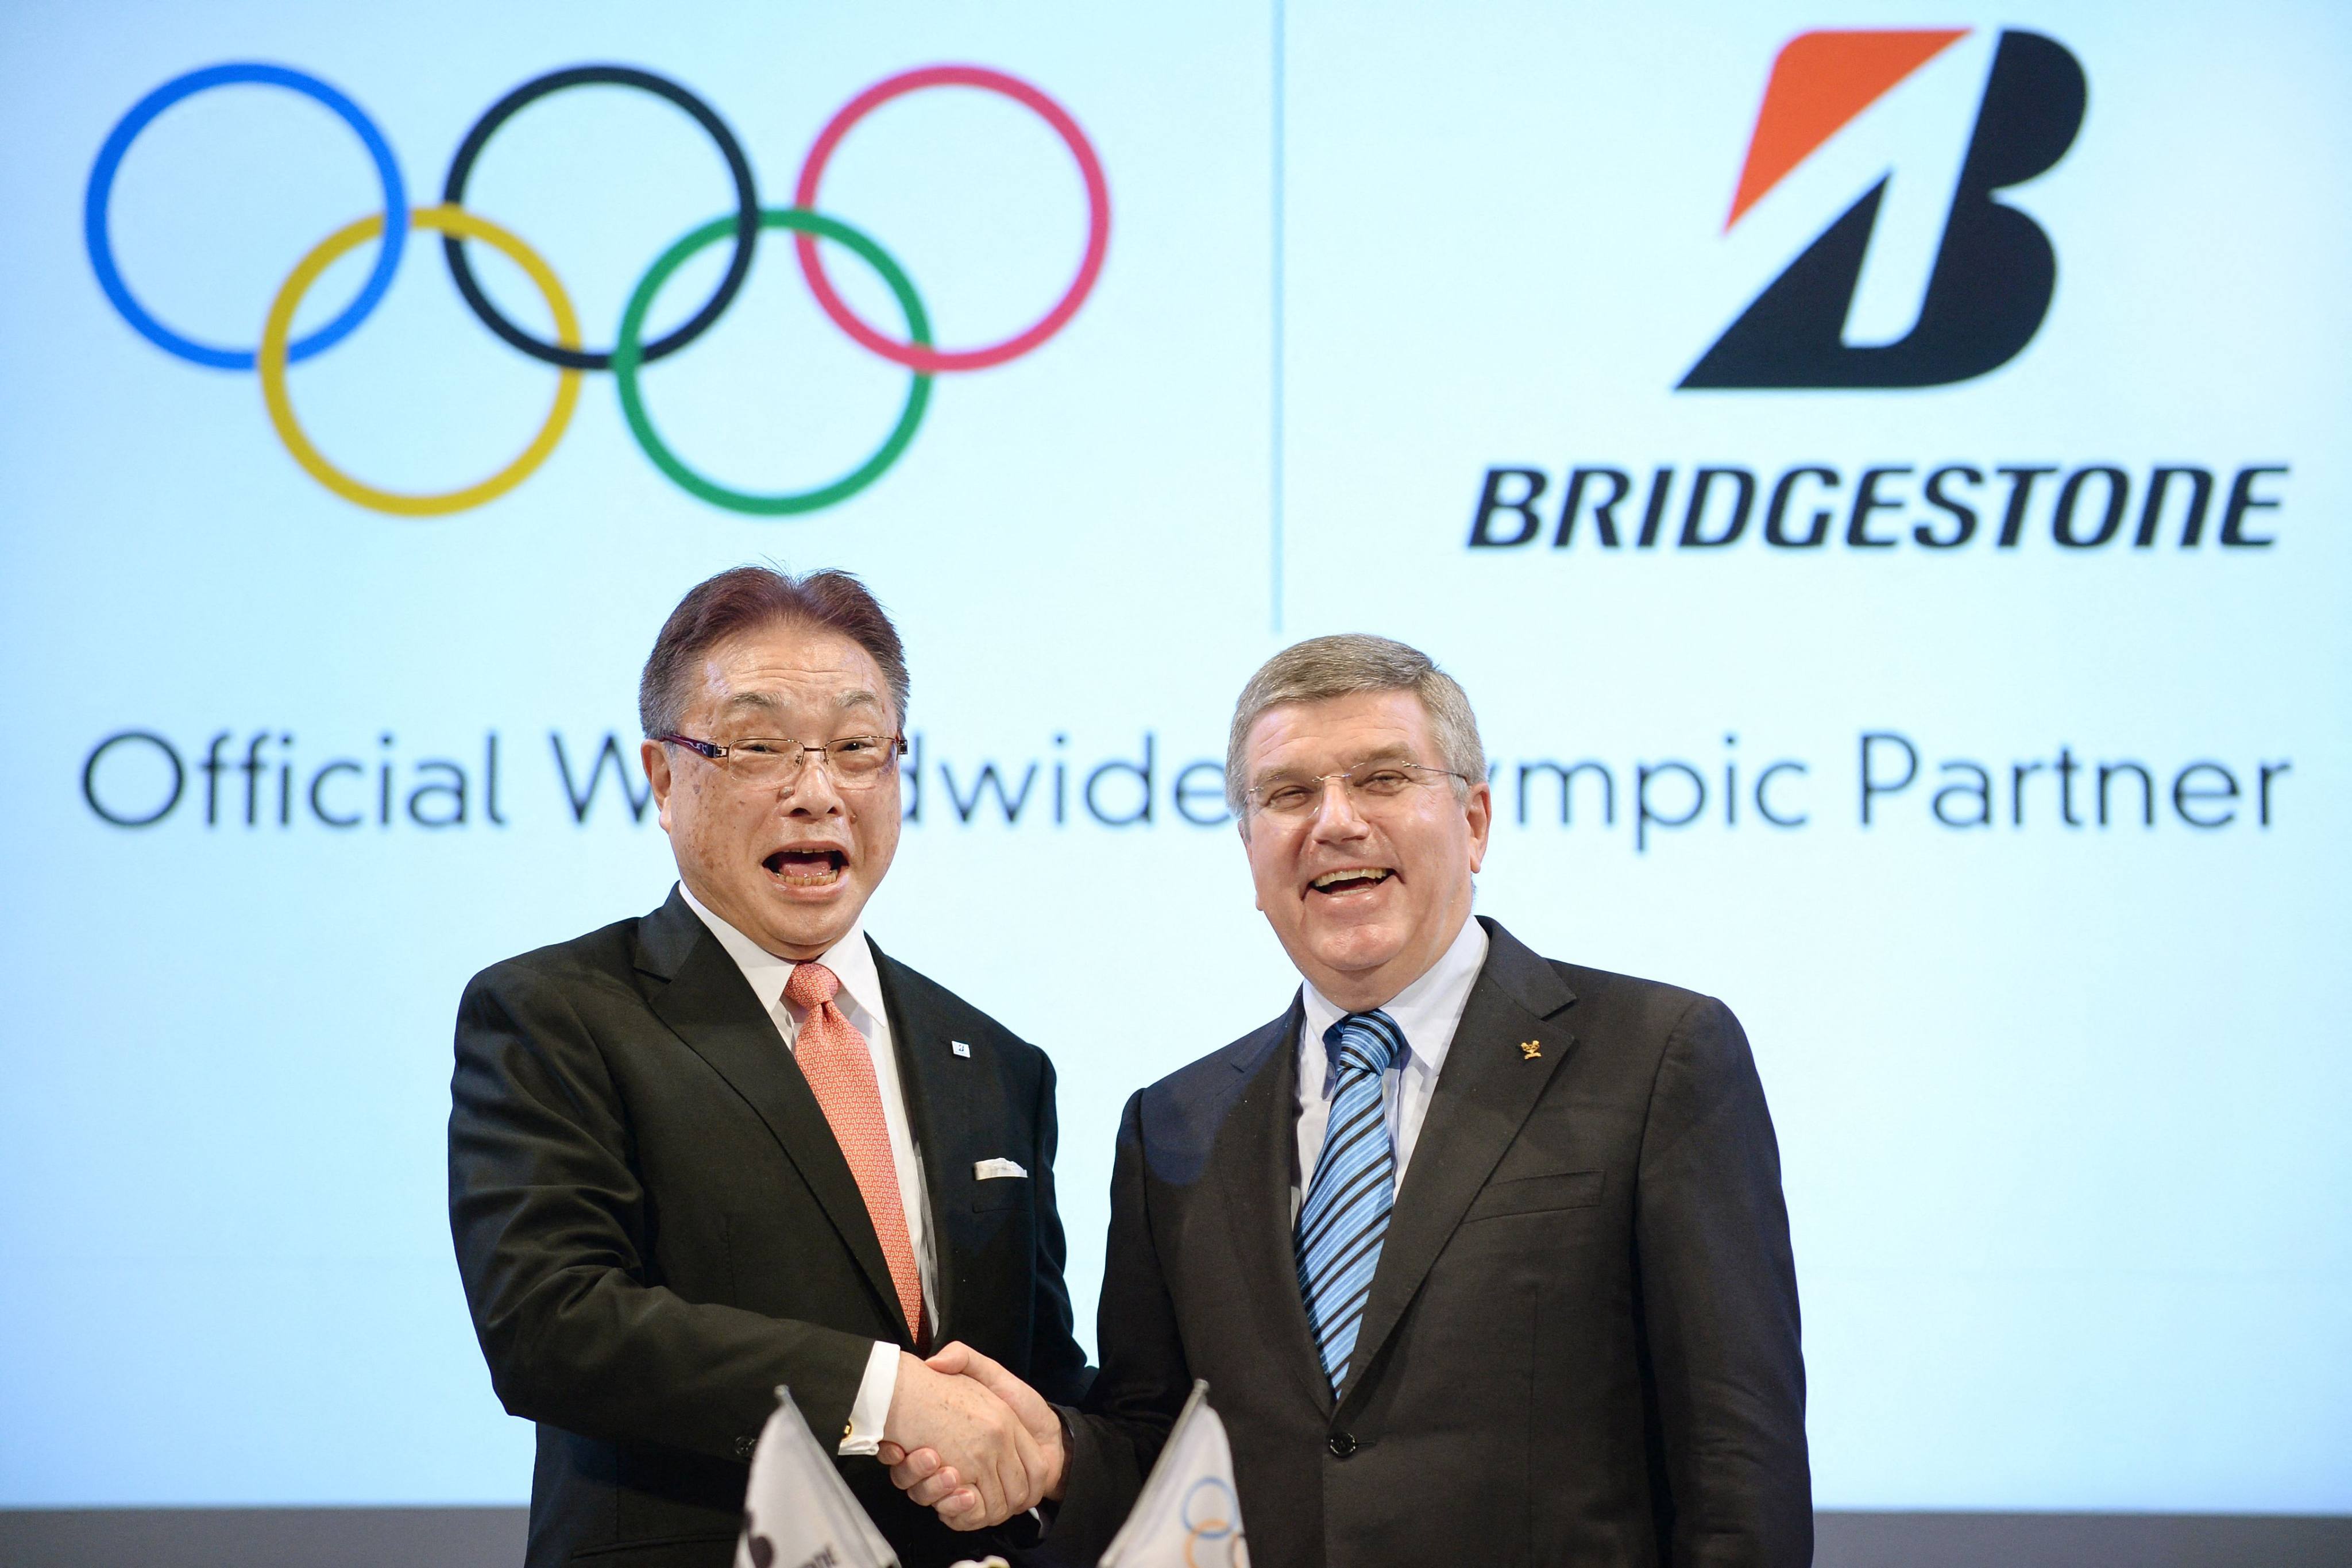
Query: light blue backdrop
2061, 1106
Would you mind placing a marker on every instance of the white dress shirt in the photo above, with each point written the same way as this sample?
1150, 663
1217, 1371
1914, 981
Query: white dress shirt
1427, 1012
860, 1001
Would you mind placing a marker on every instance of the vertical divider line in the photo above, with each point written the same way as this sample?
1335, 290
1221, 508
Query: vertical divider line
1276, 389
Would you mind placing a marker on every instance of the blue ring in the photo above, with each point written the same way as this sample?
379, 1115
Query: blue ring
1184, 1510
101, 192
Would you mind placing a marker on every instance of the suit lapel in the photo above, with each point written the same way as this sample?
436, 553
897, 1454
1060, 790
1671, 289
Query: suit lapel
698, 991
1482, 1097
938, 1113
1261, 1126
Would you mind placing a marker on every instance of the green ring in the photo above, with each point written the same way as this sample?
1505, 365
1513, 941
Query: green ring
628, 354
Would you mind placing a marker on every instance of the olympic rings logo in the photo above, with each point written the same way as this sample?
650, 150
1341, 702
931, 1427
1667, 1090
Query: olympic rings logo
630, 352
1223, 1510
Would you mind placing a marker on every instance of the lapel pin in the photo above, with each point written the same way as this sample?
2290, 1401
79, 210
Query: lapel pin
959, 1047
1531, 1050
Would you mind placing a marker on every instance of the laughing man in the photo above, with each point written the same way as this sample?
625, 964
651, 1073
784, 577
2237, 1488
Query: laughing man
1483, 1255
732, 1144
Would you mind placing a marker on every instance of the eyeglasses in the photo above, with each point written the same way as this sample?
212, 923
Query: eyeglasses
854, 761
1368, 784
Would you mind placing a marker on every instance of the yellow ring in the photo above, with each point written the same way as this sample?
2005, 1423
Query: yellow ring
1192, 1537
270, 360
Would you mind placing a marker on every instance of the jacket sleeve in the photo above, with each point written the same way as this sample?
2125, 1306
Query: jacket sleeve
1718, 1303
1118, 1434
552, 1226
1057, 1367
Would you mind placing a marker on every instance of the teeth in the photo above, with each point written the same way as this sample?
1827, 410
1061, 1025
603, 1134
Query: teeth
807, 868
1359, 873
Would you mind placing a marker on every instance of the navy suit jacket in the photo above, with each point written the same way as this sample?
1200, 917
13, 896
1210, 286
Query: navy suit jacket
1581, 1342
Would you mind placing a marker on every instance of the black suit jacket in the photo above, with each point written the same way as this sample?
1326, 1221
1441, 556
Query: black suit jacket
1581, 1342
656, 1228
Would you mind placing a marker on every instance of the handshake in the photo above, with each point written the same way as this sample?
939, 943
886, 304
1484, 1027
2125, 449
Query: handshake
970, 1441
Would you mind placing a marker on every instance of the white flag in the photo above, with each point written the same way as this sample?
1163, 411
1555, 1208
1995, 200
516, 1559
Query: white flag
798, 1513
1188, 1516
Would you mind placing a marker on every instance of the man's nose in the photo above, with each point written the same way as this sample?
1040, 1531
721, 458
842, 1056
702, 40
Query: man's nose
1335, 817
812, 791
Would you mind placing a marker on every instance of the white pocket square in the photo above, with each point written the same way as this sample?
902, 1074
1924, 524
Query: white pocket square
991, 1170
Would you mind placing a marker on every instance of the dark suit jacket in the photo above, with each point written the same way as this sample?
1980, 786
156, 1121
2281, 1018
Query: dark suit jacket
655, 1229
1581, 1342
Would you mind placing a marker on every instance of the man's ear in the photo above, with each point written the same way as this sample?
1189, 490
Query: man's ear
1241, 825
655, 758
1480, 810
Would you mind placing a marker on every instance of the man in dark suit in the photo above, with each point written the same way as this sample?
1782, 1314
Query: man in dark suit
1483, 1257
732, 1145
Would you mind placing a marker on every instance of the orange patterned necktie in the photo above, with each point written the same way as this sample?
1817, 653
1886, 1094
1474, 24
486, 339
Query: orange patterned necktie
834, 1057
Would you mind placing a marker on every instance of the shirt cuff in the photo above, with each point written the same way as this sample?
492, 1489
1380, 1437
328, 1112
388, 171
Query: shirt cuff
871, 1412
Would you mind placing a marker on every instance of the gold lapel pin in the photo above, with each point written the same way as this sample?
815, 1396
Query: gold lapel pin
1531, 1050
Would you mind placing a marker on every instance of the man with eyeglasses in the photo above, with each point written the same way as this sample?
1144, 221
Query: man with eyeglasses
732, 1144
1482, 1256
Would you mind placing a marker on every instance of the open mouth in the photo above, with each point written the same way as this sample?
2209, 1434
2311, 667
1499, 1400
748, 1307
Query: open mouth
1350, 879
808, 868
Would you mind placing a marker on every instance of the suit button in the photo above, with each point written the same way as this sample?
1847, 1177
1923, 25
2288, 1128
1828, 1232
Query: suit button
1343, 1444
743, 1446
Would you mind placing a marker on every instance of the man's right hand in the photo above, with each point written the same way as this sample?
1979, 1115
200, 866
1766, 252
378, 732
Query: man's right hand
974, 1432
929, 1480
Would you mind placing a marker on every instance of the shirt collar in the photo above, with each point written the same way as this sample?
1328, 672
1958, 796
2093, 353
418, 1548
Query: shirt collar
851, 960
1428, 1011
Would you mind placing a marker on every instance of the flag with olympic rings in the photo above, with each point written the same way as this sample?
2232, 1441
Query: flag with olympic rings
1188, 1514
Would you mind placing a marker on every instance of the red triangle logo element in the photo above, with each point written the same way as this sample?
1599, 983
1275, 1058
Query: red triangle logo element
1821, 81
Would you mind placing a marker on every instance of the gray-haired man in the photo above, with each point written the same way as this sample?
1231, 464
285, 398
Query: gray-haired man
1483, 1255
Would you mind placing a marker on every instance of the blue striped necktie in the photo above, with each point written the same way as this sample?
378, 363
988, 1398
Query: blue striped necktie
1346, 1215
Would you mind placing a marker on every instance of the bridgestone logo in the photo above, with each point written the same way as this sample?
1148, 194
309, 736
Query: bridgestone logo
1881, 506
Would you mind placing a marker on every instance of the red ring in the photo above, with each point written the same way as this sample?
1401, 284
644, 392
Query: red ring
928, 360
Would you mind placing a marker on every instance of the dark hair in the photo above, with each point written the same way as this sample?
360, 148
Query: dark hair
746, 597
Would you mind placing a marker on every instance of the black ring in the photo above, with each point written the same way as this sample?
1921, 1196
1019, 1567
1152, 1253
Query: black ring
747, 209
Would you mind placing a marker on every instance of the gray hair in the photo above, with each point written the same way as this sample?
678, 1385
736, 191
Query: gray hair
1323, 668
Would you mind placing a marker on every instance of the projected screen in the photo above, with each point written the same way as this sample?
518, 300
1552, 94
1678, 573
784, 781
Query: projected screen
1883, 488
